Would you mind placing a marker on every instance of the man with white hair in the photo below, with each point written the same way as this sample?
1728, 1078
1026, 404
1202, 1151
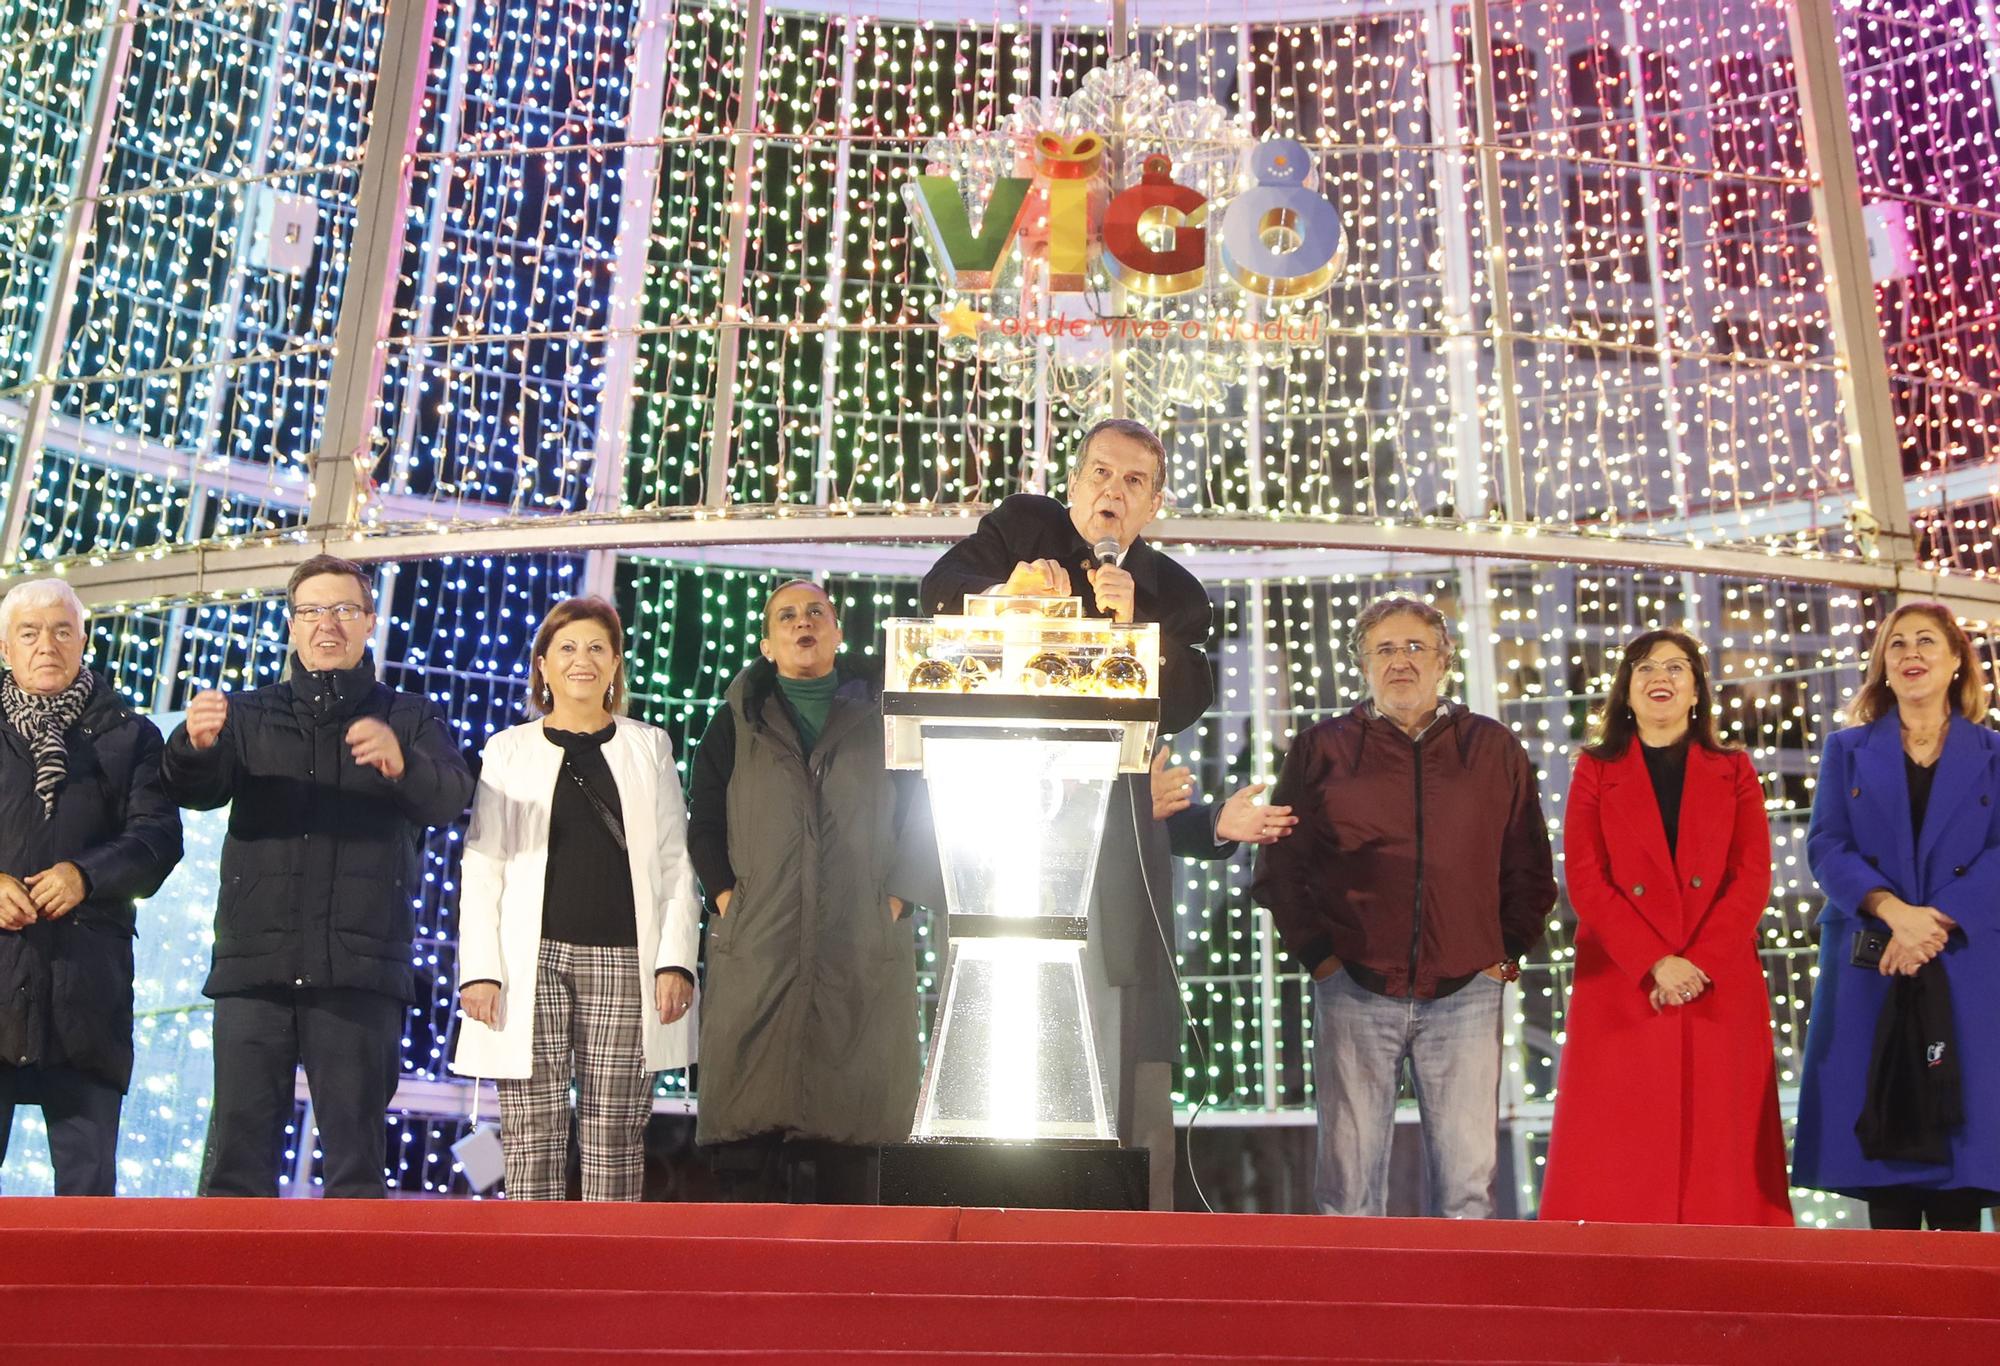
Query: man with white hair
86, 828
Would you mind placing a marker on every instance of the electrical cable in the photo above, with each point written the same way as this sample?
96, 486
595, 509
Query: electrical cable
1180, 997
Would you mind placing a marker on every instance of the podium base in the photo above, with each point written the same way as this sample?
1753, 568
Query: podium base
1039, 1175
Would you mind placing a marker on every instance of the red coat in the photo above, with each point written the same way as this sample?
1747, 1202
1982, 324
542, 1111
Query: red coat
1667, 1117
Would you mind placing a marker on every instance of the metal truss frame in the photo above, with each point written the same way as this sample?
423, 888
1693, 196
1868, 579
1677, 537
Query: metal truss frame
1223, 545
389, 527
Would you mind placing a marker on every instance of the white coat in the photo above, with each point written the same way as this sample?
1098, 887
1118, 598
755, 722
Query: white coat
501, 888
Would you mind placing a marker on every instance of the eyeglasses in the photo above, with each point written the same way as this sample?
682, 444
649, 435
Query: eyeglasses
342, 612
1408, 649
1673, 669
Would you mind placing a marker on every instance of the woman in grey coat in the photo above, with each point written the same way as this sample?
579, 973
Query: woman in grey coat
809, 1024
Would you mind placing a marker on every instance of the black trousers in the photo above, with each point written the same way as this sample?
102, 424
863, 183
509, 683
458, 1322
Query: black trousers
1909, 1207
350, 1042
771, 1169
81, 1112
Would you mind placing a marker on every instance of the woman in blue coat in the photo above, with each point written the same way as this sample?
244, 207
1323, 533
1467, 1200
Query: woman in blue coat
1906, 838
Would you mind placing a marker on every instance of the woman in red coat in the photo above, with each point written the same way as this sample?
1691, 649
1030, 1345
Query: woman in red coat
1667, 1101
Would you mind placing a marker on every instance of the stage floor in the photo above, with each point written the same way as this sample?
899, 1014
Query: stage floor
217, 1279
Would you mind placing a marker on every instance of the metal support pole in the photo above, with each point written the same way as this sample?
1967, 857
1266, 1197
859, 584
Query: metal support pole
1989, 41
1656, 258
836, 275
1264, 742
385, 598
450, 119
1120, 42
1470, 494
1874, 452
1041, 456
368, 301
1253, 379
729, 336
1470, 497
638, 198
1246, 75
1493, 212
66, 270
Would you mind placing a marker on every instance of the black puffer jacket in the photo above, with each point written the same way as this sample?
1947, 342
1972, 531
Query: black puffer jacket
66, 985
324, 857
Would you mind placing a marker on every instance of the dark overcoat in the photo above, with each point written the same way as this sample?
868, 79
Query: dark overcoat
809, 1004
323, 862
66, 984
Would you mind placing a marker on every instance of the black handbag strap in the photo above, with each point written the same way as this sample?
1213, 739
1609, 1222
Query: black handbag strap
614, 826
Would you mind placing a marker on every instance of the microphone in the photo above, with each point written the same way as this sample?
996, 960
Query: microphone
1106, 552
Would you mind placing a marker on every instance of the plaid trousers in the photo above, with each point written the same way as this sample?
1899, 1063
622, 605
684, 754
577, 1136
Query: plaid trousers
588, 1025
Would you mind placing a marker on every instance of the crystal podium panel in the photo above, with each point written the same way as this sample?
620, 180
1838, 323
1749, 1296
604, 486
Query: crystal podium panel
1019, 816
1013, 1056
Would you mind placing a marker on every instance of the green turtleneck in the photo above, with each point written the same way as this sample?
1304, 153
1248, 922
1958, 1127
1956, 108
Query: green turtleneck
810, 700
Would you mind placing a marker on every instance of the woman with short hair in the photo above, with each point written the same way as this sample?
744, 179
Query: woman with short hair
577, 917
1905, 843
86, 829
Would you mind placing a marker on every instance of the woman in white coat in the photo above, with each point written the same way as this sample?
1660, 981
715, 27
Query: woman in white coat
577, 917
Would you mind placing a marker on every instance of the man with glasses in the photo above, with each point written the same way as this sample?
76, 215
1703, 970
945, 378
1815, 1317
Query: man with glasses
331, 778
1419, 872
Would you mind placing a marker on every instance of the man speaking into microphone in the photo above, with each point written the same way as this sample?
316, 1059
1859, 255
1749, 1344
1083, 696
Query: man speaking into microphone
1036, 547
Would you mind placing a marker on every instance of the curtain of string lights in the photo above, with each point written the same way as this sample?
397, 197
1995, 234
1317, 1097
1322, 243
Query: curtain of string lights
522, 301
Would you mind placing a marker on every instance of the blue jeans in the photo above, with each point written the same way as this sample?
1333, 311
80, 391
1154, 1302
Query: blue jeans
1453, 1045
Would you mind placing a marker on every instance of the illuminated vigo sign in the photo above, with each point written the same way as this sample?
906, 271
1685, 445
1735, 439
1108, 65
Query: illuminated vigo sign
1117, 227
1279, 239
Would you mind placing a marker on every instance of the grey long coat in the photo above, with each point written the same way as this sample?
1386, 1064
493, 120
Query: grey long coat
809, 1009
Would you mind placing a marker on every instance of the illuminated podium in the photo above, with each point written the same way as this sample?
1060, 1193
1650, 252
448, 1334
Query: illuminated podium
1021, 713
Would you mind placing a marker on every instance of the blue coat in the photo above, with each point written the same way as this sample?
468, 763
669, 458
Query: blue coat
1860, 840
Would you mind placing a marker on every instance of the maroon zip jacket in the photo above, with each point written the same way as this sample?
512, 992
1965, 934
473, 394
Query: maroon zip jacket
1416, 863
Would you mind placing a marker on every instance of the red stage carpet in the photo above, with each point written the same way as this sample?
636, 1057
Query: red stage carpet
228, 1280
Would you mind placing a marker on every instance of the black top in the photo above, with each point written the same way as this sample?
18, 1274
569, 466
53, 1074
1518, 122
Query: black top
1667, 767
1920, 777
587, 895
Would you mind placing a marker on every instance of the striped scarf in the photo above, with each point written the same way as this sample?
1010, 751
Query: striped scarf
43, 720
